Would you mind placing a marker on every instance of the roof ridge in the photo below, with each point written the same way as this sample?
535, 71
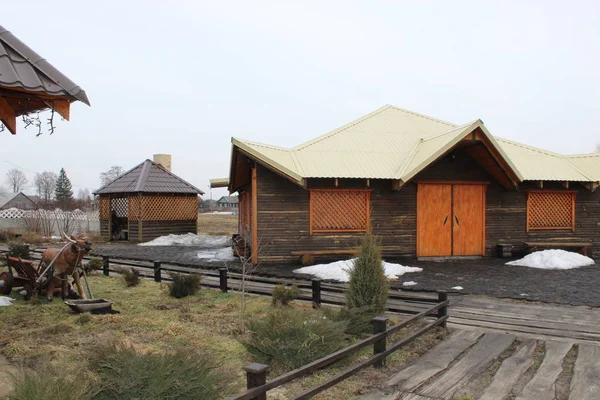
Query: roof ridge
119, 177
141, 181
582, 155
269, 146
532, 148
422, 115
578, 169
341, 128
411, 157
437, 135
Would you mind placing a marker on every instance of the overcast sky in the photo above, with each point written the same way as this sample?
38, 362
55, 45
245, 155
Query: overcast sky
183, 77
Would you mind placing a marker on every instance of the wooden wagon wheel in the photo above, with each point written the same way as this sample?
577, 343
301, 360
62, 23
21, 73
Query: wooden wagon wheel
6, 279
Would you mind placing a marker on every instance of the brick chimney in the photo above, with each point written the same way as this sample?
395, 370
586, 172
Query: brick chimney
164, 160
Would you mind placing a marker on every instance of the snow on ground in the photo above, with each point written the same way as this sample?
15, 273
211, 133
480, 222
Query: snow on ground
222, 254
457, 288
190, 239
409, 283
222, 212
5, 301
339, 270
553, 259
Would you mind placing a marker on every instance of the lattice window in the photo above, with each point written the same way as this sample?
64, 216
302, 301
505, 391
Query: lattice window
342, 210
104, 208
120, 206
169, 208
550, 210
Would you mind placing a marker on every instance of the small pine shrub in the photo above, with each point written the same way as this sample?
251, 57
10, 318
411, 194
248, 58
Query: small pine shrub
283, 296
289, 338
368, 285
184, 285
131, 276
358, 320
19, 249
182, 374
95, 264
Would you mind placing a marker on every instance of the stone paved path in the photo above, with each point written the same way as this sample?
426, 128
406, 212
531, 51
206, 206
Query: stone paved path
497, 366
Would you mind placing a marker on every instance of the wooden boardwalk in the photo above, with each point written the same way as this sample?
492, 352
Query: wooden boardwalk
497, 366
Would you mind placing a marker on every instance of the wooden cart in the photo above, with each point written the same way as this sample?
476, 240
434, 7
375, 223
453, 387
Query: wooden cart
23, 273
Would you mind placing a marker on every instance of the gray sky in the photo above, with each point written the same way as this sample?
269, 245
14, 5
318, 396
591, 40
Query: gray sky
182, 77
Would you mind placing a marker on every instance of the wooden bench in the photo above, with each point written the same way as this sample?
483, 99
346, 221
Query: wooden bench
581, 247
308, 257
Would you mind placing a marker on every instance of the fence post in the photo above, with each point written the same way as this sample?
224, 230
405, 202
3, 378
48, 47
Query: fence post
105, 265
379, 325
223, 279
442, 312
157, 270
316, 293
256, 375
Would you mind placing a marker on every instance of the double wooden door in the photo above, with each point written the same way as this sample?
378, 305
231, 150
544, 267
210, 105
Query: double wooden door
450, 219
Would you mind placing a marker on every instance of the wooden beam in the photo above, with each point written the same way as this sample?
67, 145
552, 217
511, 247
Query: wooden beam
337, 183
254, 217
397, 184
7, 116
62, 107
540, 184
565, 184
368, 182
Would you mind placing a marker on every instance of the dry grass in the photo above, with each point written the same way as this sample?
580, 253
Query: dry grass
150, 321
217, 224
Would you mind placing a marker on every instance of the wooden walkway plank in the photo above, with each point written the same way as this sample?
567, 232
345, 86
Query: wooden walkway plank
585, 384
542, 385
517, 329
412, 396
434, 361
509, 372
477, 359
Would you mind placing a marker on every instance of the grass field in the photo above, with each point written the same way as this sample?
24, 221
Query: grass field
36, 334
217, 224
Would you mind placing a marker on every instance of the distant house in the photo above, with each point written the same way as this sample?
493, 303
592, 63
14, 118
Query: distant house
228, 202
16, 200
425, 187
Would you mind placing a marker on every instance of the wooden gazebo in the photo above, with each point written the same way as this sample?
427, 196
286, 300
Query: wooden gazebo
146, 202
29, 83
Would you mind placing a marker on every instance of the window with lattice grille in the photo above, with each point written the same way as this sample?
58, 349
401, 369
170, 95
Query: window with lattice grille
551, 210
340, 210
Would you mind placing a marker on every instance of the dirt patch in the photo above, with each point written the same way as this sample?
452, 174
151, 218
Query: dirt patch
217, 224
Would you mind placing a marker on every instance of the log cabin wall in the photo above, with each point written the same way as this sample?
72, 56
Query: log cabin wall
283, 213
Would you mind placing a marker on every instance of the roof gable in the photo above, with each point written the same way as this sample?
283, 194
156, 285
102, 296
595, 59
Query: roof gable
23, 68
149, 177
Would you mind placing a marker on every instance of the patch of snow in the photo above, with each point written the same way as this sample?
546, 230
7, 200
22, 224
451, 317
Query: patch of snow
190, 239
457, 288
5, 301
338, 270
553, 259
222, 212
222, 254
409, 283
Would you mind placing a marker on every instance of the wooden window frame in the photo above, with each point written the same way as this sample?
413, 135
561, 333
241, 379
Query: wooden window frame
311, 213
552, 228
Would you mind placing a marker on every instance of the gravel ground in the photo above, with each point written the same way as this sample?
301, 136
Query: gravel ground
489, 277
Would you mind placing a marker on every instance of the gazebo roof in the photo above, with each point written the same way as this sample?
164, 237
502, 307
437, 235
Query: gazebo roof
149, 177
29, 83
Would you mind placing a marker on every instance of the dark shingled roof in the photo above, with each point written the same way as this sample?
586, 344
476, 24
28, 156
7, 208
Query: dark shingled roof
23, 68
229, 199
149, 177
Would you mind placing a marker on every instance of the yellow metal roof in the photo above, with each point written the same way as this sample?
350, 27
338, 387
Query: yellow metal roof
393, 143
219, 182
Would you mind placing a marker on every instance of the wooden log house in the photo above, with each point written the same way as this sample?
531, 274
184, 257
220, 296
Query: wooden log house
426, 187
29, 83
147, 202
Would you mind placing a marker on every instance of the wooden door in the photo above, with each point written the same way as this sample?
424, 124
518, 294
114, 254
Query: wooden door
468, 225
434, 224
